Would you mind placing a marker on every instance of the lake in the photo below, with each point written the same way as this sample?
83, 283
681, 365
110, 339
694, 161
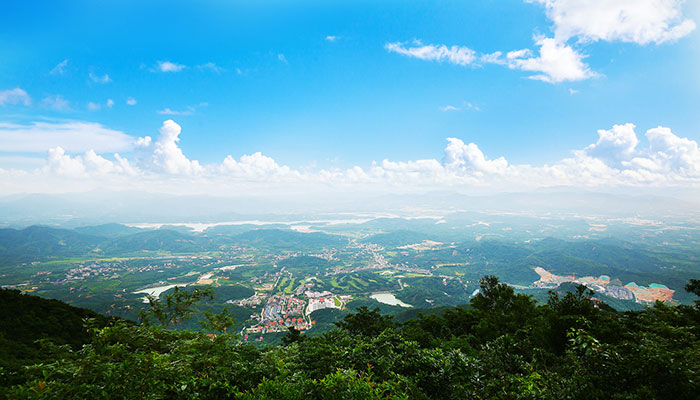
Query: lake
156, 291
390, 299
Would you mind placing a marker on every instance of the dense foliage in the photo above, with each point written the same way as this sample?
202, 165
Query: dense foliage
503, 345
26, 321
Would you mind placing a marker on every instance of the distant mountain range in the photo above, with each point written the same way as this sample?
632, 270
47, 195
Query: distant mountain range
41, 243
97, 206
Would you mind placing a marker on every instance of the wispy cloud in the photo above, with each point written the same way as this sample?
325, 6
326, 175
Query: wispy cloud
459, 55
466, 106
167, 111
110, 103
130, 101
93, 106
74, 136
99, 78
332, 38
14, 96
168, 66
56, 102
282, 58
449, 108
555, 63
189, 110
60, 68
212, 67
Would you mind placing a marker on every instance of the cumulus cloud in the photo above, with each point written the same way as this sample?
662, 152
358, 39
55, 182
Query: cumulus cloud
454, 54
556, 62
86, 165
617, 158
615, 145
110, 103
256, 167
164, 153
72, 136
14, 96
469, 158
637, 21
60, 68
168, 66
130, 101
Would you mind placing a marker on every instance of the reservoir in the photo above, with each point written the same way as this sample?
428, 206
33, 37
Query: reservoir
156, 291
389, 298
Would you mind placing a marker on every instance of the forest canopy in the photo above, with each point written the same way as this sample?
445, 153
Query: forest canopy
502, 345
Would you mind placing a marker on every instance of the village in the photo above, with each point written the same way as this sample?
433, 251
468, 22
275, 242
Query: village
282, 312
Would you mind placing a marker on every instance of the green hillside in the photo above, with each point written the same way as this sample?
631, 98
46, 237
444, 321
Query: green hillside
502, 345
41, 242
26, 319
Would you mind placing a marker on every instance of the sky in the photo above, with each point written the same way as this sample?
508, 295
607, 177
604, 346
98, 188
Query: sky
276, 97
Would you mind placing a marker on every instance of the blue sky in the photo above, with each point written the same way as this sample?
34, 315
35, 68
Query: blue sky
325, 87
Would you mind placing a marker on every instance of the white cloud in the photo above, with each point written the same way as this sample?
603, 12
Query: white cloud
60, 163
556, 62
469, 158
56, 102
99, 79
86, 165
669, 152
60, 68
282, 58
167, 111
14, 96
638, 21
449, 108
455, 54
466, 106
165, 154
210, 66
130, 101
93, 106
615, 145
73, 136
167, 66
331, 38
110, 103
189, 110
256, 167
493, 58
617, 158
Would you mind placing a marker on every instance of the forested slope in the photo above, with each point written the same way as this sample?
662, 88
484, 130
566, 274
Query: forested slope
501, 346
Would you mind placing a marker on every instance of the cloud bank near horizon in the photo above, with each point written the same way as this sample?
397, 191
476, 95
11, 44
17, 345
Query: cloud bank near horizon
616, 159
